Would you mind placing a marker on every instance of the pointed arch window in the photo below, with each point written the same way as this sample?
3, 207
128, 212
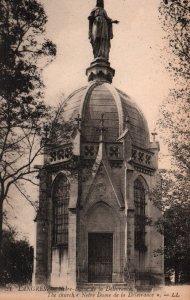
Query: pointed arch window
60, 211
139, 198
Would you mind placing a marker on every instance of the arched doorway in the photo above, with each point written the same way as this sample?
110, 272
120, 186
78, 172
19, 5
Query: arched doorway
102, 232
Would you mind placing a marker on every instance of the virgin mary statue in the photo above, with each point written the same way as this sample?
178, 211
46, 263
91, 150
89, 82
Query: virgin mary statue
100, 31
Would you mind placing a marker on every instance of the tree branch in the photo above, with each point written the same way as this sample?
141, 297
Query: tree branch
25, 166
29, 180
27, 199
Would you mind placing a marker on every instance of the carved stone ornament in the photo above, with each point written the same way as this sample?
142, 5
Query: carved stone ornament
142, 160
60, 154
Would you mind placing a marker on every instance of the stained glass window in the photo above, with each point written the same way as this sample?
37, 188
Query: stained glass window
139, 198
60, 211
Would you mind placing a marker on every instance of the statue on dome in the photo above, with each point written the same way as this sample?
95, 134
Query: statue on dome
100, 31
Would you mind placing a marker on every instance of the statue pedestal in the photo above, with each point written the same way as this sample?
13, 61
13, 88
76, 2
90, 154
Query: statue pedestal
100, 70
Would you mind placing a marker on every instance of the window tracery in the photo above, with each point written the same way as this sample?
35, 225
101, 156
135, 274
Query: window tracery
60, 211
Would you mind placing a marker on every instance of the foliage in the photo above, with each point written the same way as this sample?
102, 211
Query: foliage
174, 224
176, 23
174, 129
177, 246
24, 52
173, 126
17, 262
174, 120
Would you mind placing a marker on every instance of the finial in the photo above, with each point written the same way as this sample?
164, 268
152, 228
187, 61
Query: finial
78, 120
102, 122
44, 139
126, 122
154, 134
46, 130
101, 129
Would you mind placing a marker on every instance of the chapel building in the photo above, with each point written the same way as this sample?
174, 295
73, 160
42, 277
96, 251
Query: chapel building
96, 215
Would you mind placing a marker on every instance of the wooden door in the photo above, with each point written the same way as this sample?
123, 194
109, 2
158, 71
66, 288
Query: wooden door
100, 257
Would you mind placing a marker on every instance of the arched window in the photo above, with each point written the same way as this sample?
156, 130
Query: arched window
60, 211
139, 198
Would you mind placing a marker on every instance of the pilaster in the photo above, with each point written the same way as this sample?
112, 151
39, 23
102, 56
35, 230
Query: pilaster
72, 273
41, 264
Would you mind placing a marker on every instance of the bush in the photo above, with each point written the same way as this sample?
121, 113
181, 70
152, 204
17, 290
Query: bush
17, 260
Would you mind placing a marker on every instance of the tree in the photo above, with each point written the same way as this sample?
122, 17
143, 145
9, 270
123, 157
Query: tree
17, 263
174, 224
176, 23
24, 51
174, 129
174, 118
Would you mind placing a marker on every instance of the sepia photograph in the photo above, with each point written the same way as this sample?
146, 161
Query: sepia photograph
95, 149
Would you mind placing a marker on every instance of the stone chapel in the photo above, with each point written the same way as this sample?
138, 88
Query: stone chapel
95, 184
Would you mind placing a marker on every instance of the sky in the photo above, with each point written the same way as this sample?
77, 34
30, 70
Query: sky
135, 50
135, 55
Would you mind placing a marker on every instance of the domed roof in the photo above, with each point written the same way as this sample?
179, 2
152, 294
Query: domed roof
119, 111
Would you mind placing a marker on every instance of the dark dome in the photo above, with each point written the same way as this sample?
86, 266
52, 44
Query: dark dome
98, 98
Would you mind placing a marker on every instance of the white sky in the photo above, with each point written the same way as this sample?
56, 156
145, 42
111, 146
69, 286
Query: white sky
135, 51
135, 55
